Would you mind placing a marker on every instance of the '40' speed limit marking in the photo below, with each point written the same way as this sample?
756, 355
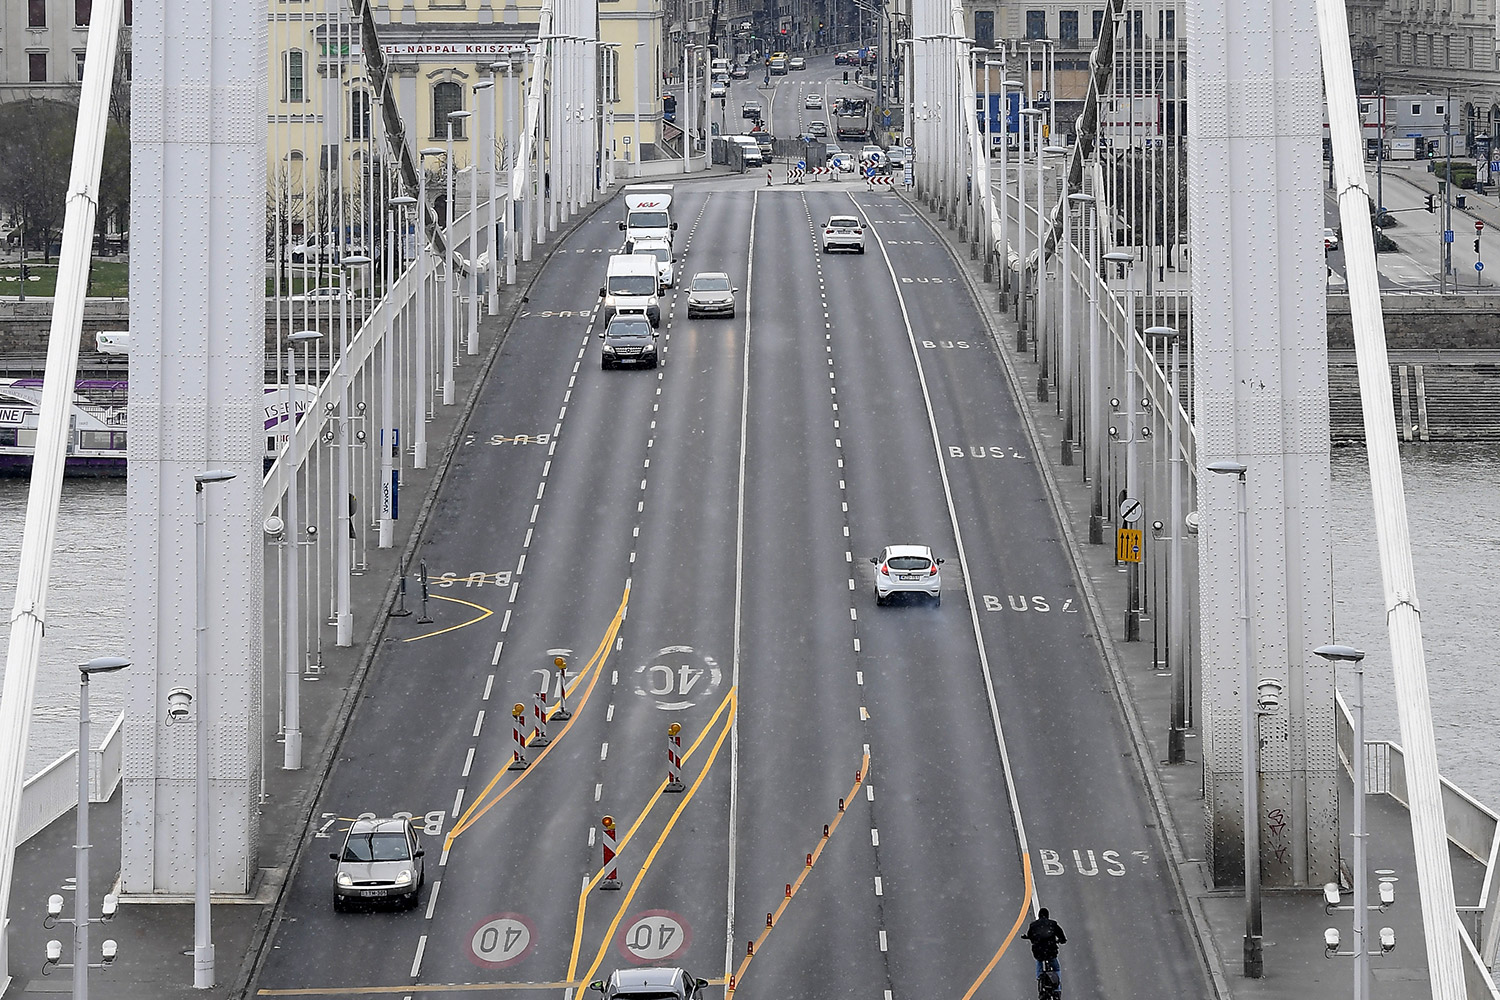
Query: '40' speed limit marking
653, 936
678, 677
501, 940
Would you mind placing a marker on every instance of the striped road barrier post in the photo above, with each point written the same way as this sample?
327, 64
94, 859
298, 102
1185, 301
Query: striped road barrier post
539, 737
562, 714
518, 733
674, 758
611, 866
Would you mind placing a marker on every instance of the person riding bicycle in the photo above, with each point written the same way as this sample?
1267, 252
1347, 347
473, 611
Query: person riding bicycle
1045, 934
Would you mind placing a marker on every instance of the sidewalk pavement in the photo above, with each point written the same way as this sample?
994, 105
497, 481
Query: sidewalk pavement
156, 938
1293, 921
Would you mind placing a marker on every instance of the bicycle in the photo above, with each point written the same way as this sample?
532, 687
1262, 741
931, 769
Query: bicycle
1049, 981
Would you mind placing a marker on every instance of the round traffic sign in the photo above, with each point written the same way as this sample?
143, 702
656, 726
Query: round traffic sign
653, 936
1479, 265
1130, 510
502, 940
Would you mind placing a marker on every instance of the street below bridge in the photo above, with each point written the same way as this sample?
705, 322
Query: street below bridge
698, 537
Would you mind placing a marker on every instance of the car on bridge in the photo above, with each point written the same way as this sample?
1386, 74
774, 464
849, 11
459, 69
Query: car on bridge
650, 984
750, 110
629, 339
796, 63
907, 569
710, 294
844, 232
717, 90
813, 102
381, 861
818, 129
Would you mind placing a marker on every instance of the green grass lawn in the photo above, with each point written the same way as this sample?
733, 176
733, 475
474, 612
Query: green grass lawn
107, 279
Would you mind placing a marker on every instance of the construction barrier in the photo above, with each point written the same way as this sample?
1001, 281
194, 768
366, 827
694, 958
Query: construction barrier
674, 758
518, 733
611, 867
539, 737
562, 714
887, 180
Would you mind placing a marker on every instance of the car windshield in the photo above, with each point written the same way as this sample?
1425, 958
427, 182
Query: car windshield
649, 220
632, 284
630, 328
908, 562
376, 847
703, 284
843, 222
662, 254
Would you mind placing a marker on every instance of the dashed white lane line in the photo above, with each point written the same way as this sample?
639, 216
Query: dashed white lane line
432, 899
874, 837
856, 644
864, 714
479, 722
495, 659
489, 682
527, 544
468, 763
591, 839
458, 801
513, 589
505, 622
609, 716
521, 564
853, 615
443, 858
540, 489
879, 887
859, 677
870, 792
416, 963
598, 791
882, 940
604, 751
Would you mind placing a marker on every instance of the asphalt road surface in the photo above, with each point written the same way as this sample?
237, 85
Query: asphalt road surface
698, 537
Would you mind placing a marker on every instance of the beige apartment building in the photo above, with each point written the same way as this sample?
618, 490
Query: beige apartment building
42, 45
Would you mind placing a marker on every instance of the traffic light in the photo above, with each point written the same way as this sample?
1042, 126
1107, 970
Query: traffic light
1476, 247
1430, 200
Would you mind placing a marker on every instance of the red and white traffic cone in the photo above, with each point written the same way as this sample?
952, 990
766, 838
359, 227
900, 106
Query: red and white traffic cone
518, 733
674, 758
539, 737
611, 867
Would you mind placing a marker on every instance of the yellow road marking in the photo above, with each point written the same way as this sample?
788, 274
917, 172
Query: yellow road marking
345, 991
453, 628
739, 973
1015, 929
583, 896
651, 857
475, 810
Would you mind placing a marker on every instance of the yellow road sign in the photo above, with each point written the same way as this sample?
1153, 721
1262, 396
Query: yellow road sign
1128, 545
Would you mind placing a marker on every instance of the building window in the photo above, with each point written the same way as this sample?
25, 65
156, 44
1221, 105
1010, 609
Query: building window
1067, 27
1036, 24
984, 29
359, 114
36, 13
447, 97
293, 90
37, 63
1138, 25
1166, 25
78, 58
82, 11
1098, 22
1439, 110
1416, 110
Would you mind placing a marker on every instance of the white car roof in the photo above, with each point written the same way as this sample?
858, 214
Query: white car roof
711, 274
908, 550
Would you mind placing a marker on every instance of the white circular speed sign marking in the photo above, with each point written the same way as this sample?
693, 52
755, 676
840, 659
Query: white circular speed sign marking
678, 677
653, 936
501, 940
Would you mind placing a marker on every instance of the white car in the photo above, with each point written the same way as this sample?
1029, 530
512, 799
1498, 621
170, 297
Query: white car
814, 102
710, 294
817, 129
907, 569
844, 232
326, 293
717, 90
843, 162
662, 251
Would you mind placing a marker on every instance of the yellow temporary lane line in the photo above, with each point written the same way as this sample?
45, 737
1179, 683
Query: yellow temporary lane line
651, 857
480, 806
454, 628
1014, 930
351, 991
739, 973
583, 896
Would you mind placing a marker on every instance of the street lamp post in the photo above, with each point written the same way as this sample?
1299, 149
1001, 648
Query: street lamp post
450, 292
1096, 519
344, 620
1067, 357
81, 919
1253, 955
291, 667
488, 96
1176, 612
1355, 658
203, 941
423, 395
1028, 115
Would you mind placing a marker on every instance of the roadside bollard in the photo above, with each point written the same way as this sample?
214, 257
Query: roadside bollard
518, 732
562, 714
674, 758
425, 618
401, 610
539, 737
612, 870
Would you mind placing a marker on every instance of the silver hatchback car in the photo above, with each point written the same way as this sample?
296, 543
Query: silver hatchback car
710, 294
381, 860
908, 569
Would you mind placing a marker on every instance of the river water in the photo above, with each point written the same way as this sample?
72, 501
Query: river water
1451, 490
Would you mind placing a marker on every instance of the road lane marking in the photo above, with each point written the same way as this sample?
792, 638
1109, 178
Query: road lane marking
478, 722
432, 899
495, 659
484, 613
416, 964
489, 682
468, 763
882, 941
458, 801
604, 751
879, 888
874, 837
1026, 901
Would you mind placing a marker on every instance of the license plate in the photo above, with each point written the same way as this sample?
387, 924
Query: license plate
374, 892
911, 576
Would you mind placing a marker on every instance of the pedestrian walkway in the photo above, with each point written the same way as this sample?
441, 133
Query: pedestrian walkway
1294, 921
156, 939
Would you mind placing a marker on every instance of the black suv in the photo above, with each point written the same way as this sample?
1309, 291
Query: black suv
629, 340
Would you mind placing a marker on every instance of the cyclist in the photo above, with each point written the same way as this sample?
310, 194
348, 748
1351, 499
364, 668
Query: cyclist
1045, 934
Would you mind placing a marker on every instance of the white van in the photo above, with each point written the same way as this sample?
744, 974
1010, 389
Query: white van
718, 66
632, 281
